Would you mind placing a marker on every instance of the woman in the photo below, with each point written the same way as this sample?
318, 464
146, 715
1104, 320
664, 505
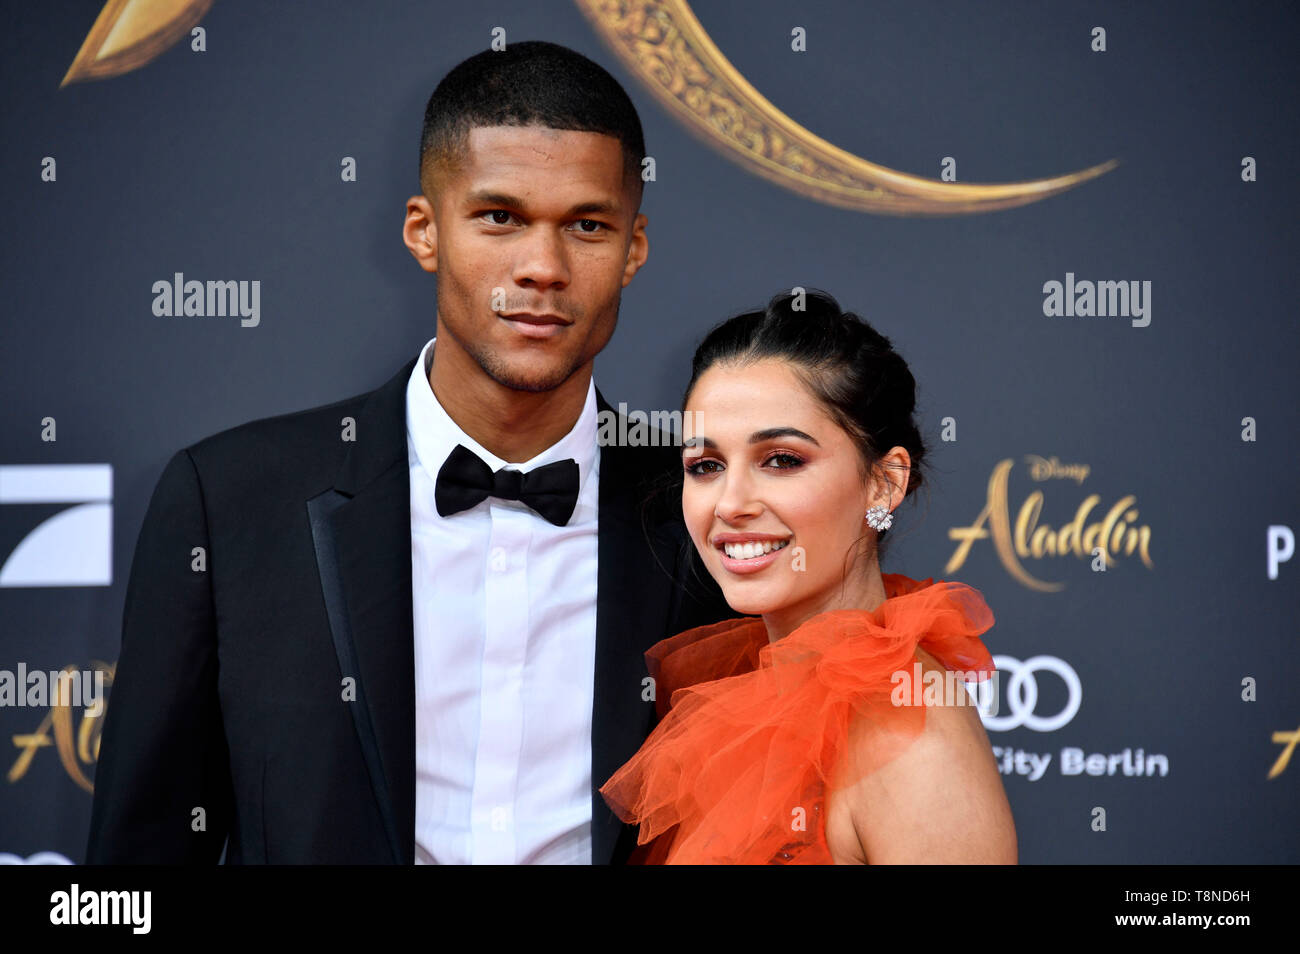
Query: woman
807, 732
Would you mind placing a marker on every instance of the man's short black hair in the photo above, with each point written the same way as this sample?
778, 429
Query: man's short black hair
532, 83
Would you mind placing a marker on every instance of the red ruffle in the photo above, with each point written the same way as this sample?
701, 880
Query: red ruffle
753, 734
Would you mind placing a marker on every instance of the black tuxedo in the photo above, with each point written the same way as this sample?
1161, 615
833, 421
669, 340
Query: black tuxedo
229, 694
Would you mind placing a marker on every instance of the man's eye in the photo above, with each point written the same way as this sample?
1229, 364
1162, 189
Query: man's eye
583, 223
492, 217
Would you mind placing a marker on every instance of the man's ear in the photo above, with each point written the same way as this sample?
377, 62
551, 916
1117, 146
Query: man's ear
420, 232
638, 250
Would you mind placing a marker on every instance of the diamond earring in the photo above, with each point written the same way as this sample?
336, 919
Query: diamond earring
878, 518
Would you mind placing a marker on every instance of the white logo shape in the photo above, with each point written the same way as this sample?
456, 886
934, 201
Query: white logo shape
40, 858
1021, 694
75, 546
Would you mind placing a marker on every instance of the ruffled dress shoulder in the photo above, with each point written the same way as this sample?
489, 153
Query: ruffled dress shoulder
752, 734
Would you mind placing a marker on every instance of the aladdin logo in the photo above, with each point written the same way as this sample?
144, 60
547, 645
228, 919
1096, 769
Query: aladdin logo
1110, 534
69, 730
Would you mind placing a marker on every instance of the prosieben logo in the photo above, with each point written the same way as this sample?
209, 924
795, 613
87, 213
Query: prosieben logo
74, 546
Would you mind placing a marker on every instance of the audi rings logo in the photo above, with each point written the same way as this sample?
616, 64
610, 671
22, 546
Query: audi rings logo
1021, 694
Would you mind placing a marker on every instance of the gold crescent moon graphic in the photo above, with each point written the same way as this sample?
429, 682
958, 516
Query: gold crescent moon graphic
663, 43
129, 33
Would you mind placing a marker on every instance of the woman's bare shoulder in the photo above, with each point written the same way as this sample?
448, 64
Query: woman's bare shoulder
940, 801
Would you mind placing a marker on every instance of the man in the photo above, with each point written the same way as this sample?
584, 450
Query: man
409, 626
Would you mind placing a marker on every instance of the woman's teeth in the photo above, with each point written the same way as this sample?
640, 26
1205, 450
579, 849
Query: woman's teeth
748, 551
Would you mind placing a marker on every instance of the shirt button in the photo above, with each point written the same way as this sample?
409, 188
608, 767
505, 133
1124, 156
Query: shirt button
497, 559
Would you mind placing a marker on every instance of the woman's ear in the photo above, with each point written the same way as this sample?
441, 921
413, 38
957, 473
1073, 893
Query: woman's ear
894, 470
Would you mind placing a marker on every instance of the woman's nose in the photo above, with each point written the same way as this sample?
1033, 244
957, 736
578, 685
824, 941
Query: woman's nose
736, 502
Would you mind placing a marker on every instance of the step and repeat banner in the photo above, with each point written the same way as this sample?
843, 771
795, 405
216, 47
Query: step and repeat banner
1075, 221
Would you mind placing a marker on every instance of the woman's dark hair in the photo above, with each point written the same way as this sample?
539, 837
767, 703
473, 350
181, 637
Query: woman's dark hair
863, 383
846, 364
851, 368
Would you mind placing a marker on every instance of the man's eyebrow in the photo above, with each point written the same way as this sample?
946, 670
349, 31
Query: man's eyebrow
756, 438
506, 201
487, 197
601, 207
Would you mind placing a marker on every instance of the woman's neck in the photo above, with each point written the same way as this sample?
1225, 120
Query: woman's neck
862, 589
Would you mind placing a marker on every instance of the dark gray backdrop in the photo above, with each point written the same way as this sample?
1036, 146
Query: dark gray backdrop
225, 165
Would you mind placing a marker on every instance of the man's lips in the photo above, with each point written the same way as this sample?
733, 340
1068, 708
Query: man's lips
536, 326
530, 318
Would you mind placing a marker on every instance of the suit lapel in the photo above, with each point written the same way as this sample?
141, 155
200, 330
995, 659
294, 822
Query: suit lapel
361, 529
362, 535
633, 605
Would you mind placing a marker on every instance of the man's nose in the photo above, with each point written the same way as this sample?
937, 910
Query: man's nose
543, 261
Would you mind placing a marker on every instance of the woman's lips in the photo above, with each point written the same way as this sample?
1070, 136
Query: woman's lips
752, 565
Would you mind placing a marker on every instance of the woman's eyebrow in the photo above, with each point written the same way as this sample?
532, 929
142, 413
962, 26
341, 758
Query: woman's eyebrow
774, 432
758, 437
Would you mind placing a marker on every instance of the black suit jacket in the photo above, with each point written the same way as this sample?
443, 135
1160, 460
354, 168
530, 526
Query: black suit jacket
227, 723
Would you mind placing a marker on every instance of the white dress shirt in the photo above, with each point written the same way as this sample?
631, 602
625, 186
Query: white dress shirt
504, 608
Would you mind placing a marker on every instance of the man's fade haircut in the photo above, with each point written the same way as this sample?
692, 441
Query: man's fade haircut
532, 83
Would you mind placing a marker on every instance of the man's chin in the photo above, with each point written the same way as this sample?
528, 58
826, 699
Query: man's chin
528, 377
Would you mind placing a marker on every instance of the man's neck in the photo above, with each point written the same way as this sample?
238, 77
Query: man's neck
514, 425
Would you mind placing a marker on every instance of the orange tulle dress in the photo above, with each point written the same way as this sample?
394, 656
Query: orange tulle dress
753, 734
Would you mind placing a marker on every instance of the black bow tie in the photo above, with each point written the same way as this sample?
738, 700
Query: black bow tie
464, 480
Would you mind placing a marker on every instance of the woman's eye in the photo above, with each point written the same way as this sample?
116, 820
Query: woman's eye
786, 461
698, 468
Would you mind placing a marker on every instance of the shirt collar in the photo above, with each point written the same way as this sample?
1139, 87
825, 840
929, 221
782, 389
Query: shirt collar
433, 435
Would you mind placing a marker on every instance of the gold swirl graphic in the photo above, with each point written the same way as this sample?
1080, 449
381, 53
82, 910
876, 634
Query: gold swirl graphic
130, 33
663, 43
